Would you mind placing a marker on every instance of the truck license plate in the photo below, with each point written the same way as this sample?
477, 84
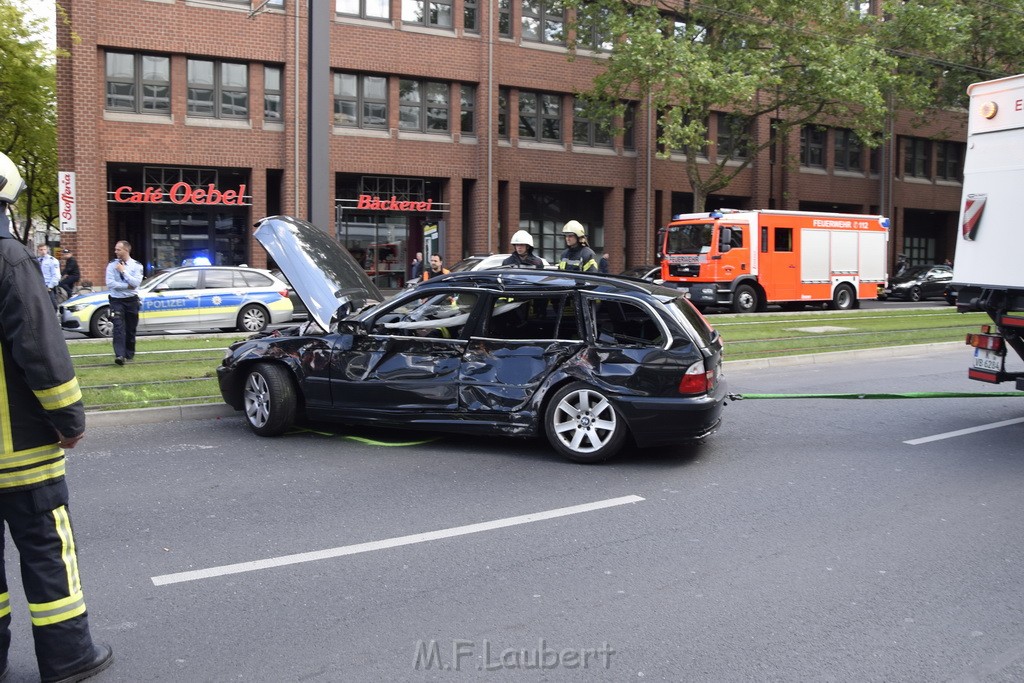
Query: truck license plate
988, 360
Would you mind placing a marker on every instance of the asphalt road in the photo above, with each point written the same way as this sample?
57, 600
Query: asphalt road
807, 540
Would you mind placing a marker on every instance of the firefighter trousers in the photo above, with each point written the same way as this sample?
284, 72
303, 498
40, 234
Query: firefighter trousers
40, 525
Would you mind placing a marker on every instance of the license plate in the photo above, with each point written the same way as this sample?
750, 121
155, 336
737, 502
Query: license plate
988, 360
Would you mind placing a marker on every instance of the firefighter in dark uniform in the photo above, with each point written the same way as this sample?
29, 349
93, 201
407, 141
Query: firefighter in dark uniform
41, 414
522, 255
578, 255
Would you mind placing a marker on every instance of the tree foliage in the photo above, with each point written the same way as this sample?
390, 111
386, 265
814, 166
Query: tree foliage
797, 63
28, 126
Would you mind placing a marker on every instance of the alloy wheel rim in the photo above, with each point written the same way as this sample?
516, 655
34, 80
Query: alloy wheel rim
584, 421
257, 400
253, 320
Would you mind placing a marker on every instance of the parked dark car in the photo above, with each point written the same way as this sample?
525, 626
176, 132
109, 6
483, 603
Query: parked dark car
648, 272
587, 360
918, 283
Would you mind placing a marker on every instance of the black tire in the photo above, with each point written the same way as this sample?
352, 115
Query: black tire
844, 298
100, 324
269, 399
745, 299
252, 318
583, 425
915, 294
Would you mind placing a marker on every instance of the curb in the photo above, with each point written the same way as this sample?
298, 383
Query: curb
209, 411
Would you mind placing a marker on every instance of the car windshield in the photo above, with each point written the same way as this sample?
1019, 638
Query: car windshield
466, 264
915, 272
689, 239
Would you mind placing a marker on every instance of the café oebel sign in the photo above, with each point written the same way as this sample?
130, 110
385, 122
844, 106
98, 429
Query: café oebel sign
180, 193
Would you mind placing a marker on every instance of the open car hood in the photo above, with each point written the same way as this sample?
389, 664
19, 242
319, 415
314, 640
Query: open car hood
323, 273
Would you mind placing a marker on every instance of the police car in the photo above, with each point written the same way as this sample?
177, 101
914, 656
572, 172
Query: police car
191, 298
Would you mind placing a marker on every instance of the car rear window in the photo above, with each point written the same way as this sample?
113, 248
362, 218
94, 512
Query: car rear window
681, 306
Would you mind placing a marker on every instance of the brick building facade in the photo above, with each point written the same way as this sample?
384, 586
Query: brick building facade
160, 98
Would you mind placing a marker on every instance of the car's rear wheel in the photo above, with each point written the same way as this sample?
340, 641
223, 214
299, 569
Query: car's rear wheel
744, 299
253, 318
269, 399
915, 294
101, 325
583, 425
843, 299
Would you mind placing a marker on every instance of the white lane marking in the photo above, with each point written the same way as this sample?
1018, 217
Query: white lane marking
298, 558
962, 432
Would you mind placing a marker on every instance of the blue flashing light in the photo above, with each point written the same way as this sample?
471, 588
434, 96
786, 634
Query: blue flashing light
716, 214
885, 222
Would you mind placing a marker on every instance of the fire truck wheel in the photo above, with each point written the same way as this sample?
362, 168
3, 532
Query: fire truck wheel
583, 425
843, 299
744, 299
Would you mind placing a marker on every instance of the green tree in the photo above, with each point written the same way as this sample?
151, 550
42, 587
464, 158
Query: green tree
945, 45
794, 62
28, 131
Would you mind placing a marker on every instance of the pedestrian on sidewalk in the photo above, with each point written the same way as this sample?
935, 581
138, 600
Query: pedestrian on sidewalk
124, 275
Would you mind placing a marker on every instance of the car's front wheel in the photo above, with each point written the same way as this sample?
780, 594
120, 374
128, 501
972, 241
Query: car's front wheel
253, 318
100, 325
583, 425
269, 399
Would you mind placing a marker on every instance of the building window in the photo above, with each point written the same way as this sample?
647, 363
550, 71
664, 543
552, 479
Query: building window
812, 146
364, 9
916, 161
471, 16
543, 21
585, 130
467, 95
272, 93
505, 18
861, 9
591, 32
434, 13
138, 83
949, 160
218, 89
848, 150
629, 126
423, 106
688, 31
733, 139
540, 117
360, 101
503, 112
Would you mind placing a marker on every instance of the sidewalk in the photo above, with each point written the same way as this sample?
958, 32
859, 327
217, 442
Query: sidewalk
209, 411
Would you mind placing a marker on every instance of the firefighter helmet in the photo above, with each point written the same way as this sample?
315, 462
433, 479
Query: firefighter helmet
11, 183
522, 237
574, 228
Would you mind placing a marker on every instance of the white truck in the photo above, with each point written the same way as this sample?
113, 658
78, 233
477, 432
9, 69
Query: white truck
988, 270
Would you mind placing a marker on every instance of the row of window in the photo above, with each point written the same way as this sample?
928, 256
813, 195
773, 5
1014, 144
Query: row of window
141, 84
916, 154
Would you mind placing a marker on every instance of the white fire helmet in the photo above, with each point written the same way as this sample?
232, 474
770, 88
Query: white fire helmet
575, 228
11, 183
522, 237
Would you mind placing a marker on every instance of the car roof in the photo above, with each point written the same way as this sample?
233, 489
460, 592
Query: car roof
511, 279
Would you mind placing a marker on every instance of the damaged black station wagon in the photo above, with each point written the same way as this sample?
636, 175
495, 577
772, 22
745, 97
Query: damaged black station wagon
586, 360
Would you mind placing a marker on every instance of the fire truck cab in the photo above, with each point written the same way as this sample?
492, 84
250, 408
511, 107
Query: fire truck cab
746, 260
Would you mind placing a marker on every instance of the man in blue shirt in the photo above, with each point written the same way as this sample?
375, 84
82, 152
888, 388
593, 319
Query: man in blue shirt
51, 271
124, 275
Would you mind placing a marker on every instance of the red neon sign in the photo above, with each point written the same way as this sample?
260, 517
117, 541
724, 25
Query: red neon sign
370, 203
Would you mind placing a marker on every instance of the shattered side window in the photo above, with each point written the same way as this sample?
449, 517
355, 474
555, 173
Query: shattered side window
441, 315
530, 317
625, 323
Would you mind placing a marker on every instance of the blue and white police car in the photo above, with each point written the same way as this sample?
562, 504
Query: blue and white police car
191, 298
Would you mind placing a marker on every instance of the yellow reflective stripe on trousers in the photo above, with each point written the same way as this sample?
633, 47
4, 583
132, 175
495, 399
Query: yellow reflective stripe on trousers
59, 396
46, 613
6, 439
48, 461
68, 552
5, 604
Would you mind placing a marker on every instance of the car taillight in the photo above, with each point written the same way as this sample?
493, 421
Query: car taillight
697, 380
283, 293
